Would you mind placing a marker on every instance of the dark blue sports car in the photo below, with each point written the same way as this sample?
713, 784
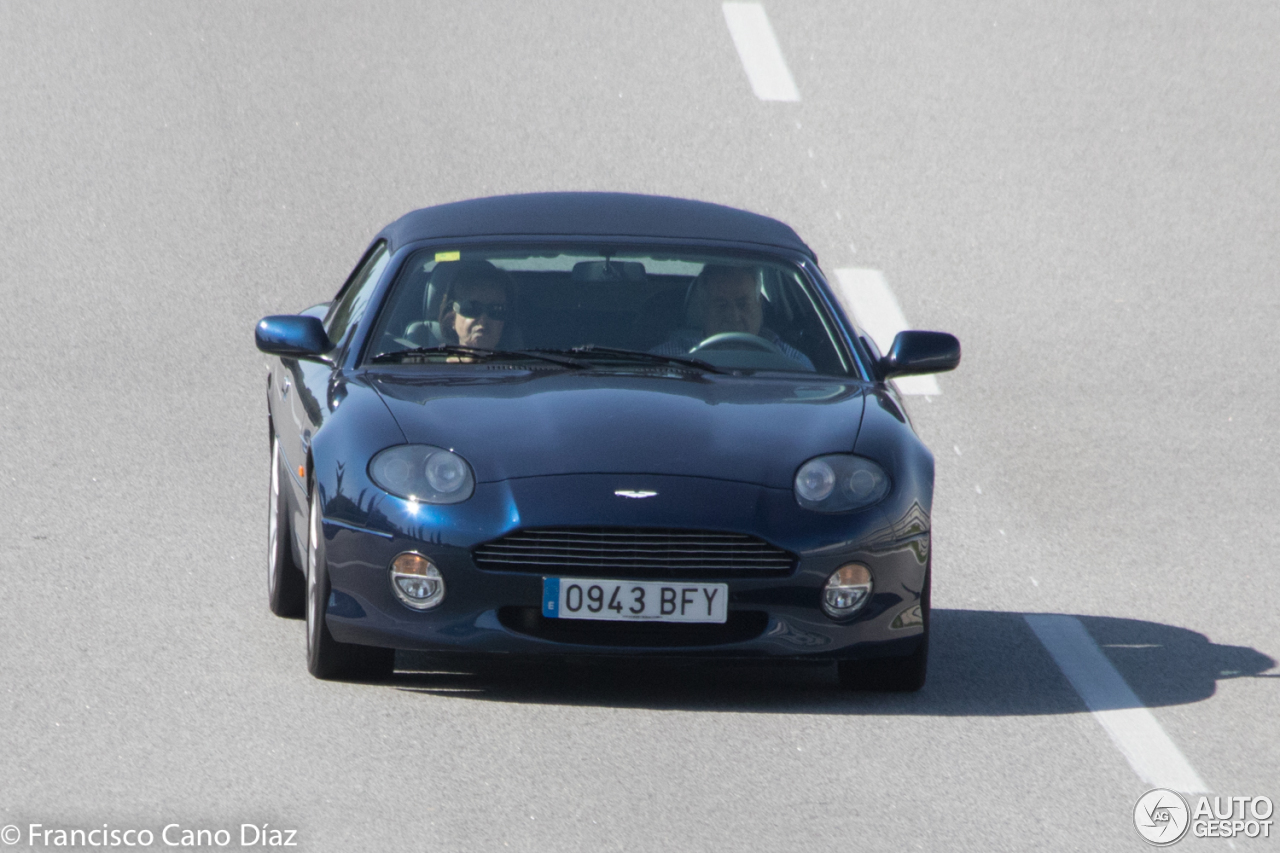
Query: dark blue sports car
597, 424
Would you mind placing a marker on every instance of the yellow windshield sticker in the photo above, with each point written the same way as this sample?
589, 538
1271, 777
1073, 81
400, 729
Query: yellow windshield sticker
447, 256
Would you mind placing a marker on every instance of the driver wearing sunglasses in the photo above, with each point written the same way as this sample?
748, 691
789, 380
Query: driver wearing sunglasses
477, 304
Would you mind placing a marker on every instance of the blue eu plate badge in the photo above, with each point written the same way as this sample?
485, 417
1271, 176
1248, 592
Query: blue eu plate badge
550, 597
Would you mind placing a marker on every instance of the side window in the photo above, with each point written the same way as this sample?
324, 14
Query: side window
351, 302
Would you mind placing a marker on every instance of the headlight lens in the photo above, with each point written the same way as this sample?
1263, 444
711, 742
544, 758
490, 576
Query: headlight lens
840, 482
446, 472
815, 481
423, 473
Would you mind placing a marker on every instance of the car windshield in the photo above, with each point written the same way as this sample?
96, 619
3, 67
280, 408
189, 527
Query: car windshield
561, 308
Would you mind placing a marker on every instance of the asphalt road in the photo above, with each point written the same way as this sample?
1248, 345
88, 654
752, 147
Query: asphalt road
1088, 195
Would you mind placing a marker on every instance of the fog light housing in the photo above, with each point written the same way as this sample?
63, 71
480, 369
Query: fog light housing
416, 581
847, 590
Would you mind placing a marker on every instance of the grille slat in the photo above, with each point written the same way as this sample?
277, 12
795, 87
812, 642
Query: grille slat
644, 552
610, 560
574, 551
528, 536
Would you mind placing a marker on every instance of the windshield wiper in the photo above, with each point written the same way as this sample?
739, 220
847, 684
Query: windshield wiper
592, 349
477, 354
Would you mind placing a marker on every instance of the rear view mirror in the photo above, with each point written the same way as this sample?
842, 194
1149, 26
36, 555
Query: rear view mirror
920, 352
293, 335
597, 272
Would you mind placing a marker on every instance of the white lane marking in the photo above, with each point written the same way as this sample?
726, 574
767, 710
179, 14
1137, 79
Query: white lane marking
759, 51
1115, 706
866, 293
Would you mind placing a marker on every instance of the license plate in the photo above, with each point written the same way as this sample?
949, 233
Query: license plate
634, 601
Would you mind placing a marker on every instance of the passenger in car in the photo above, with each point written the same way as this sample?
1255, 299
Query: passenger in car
477, 305
725, 299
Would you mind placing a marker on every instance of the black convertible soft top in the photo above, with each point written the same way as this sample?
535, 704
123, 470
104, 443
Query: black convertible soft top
590, 214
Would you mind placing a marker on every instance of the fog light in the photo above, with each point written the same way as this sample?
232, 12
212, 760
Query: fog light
847, 590
416, 581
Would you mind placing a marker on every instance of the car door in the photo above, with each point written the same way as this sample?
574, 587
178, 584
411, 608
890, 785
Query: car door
304, 384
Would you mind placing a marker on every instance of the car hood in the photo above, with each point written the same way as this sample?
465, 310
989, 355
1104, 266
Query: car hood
511, 424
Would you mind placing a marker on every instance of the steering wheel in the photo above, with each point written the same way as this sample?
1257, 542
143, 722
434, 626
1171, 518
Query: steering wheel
737, 340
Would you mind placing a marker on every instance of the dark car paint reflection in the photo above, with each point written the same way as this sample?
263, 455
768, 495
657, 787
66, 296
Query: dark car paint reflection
610, 422
504, 381
310, 405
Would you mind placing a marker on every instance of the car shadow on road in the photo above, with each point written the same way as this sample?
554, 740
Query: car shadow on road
981, 663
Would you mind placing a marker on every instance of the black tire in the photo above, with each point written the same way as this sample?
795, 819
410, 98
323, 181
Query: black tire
326, 657
286, 585
897, 674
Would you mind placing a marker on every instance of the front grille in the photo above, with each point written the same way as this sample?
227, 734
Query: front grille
635, 553
741, 626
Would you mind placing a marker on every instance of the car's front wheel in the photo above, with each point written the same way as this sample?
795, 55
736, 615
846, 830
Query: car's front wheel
896, 674
326, 657
286, 587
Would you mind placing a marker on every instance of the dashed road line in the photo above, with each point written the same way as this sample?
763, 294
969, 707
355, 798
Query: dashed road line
759, 51
1133, 729
1130, 725
866, 293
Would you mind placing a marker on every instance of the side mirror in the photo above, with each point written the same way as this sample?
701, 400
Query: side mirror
294, 335
920, 352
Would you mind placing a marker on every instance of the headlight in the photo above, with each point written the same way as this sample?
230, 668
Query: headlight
416, 581
423, 473
847, 590
840, 482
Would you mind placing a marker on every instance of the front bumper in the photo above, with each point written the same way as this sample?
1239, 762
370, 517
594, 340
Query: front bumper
500, 611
